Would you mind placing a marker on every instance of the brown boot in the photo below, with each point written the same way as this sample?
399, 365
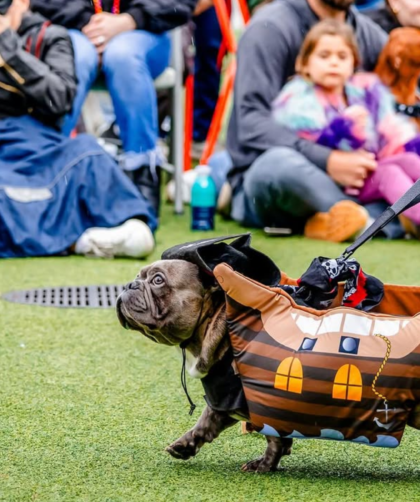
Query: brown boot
341, 223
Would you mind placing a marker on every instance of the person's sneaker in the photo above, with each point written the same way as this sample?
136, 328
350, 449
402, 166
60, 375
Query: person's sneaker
188, 179
131, 239
342, 222
148, 184
224, 201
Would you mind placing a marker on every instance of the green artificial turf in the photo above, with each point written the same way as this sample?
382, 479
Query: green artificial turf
87, 408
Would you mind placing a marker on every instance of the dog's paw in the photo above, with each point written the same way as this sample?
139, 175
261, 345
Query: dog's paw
259, 465
182, 450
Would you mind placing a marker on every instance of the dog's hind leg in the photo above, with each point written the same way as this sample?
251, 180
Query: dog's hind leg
269, 462
209, 426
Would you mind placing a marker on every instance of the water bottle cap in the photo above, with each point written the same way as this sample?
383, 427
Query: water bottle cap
203, 170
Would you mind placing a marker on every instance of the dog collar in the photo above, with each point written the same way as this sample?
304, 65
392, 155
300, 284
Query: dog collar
410, 110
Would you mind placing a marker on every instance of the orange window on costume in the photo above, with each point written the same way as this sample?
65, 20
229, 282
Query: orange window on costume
348, 383
289, 376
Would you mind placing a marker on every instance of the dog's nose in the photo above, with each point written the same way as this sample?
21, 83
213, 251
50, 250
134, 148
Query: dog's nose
132, 285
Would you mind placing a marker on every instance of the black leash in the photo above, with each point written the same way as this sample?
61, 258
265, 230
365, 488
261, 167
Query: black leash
409, 199
184, 381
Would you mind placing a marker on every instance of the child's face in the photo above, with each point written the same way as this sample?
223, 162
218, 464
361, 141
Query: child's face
331, 63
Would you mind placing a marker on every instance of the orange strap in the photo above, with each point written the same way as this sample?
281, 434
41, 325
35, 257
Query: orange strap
97, 4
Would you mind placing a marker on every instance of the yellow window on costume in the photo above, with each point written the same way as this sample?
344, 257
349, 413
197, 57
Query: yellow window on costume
289, 376
348, 383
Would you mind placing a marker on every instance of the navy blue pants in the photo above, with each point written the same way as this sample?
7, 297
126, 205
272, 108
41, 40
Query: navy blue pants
208, 39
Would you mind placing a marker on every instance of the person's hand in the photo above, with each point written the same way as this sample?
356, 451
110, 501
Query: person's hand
356, 112
350, 169
105, 26
4, 23
202, 6
358, 115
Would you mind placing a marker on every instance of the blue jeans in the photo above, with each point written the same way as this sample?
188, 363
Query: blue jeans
283, 189
130, 63
52, 189
220, 164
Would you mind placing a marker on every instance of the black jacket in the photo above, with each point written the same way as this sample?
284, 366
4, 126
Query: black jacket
156, 16
385, 18
266, 59
42, 86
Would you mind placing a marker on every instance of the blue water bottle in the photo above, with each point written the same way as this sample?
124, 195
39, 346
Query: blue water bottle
203, 200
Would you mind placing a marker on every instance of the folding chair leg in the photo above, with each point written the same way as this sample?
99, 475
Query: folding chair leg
178, 119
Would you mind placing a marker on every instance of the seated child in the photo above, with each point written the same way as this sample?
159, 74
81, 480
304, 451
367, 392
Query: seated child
327, 102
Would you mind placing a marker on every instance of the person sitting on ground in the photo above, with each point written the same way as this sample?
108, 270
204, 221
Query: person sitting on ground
397, 14
127, 40
330, 104
277, 178
56, 194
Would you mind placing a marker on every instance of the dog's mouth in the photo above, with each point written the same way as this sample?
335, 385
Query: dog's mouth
121, 317
148, 328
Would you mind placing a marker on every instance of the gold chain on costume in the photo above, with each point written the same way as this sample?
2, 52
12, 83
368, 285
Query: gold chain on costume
388, 352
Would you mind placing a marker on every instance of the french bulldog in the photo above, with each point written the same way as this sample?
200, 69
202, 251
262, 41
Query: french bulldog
176, 302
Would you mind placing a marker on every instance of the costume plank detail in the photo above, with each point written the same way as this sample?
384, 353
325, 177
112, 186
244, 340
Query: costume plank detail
340, 373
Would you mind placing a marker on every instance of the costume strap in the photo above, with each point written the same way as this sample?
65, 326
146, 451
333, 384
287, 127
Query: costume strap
97, 4
184, 381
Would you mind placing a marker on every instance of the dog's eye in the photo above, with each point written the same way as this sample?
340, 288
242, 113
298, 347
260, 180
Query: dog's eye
158, 280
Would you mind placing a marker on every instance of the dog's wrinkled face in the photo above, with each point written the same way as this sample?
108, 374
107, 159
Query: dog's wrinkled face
164, 302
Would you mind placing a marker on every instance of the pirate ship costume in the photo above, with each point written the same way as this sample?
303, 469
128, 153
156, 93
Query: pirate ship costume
310, 366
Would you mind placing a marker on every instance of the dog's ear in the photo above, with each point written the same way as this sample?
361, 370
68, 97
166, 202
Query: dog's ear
400, 50
209, 253
388, 65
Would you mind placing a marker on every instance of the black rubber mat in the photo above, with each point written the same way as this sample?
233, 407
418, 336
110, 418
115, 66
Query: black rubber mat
102, 297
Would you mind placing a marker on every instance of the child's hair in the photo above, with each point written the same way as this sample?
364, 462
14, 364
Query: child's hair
327, 27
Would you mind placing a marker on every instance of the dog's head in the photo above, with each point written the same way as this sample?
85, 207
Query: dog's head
177, 301
400, 58
164, 302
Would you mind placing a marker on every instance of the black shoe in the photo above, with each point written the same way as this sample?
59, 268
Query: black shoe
148, 184
111, 134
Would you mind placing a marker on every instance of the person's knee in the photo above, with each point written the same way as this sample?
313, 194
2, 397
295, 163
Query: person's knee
121, 54
389, 170
412, 157
279, 169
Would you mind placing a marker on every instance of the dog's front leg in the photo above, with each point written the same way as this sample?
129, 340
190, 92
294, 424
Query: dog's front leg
209, 426
276, 449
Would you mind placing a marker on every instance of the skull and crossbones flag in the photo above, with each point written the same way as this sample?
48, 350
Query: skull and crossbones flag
318, 286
